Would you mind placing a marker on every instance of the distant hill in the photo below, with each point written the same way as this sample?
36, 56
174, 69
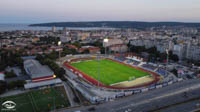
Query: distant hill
116, 24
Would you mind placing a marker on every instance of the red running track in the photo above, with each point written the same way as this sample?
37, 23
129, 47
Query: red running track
95, 82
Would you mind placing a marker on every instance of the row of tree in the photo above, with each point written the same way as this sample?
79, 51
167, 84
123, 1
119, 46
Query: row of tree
11, 85
10, 74
50, 61
49, 40
10, 58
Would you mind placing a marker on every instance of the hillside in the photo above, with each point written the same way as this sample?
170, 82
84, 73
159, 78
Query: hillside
116, 24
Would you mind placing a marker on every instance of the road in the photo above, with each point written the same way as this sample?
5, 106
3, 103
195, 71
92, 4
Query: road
12, 92
152, 100
181, 107
22, 77
70, 95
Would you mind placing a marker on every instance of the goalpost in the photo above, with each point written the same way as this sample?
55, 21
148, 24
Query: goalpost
132, 78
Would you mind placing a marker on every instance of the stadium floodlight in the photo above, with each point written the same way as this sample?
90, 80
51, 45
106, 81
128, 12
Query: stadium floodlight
105, 41
167, 52
59, 43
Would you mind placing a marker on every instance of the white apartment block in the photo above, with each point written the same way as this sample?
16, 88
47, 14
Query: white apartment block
180, 51
193, 52
112, 42
160, 44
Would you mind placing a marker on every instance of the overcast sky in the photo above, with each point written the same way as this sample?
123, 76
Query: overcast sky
38, 11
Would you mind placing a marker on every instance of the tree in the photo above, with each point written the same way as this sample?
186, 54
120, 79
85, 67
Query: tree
152, 50
97, 44
137, 49
175, 58
174, 71
86, 51
10, 74
2, 86
8, 58
163, 56
197, 63
77, 44
16, 84
53, 55
67, 51
59, 72
76, 100
19, 61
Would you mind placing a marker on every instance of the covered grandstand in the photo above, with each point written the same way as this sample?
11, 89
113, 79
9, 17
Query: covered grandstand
42, 83
38, 72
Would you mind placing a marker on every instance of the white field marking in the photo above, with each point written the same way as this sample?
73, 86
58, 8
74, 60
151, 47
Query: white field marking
130, 80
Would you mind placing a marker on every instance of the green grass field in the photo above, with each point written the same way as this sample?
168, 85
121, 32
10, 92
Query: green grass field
110, 72
39, 100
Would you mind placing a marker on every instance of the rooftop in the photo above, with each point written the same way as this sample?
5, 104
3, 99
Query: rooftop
43, 83
36, 70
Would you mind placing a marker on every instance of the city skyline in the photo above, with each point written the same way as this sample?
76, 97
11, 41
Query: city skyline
36, 11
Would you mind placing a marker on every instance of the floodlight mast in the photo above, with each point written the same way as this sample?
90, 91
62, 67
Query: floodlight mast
59, 44
105, 41
98, 59
167, 52
98, 70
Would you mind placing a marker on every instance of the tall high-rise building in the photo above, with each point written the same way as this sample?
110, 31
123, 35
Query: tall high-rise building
53, 29
64, 29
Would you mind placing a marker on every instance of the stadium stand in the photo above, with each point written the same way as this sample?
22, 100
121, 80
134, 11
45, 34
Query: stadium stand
121, 59
135, 62
149, 67
161, 72
94, 82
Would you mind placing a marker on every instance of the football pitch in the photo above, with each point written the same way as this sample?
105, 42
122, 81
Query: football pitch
110, 72
39, 100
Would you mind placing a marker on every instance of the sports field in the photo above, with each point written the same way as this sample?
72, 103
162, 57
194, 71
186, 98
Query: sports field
110, 72
39, 100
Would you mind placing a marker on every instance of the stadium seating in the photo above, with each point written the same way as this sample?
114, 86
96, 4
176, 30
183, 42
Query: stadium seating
129, 61
83, 84
161, 72
147, 66
121, 59
135, 62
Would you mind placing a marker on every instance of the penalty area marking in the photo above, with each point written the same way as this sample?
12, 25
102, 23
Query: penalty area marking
135, 82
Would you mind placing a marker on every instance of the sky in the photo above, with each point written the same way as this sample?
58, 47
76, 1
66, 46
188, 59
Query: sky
41, 11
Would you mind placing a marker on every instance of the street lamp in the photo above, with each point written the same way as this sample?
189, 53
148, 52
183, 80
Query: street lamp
167, 52
105, 41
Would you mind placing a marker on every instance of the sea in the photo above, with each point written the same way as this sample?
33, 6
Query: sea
14, 27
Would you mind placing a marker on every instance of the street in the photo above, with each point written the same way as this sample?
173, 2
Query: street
151, 100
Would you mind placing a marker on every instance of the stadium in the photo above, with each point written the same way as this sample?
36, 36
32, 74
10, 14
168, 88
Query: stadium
111, 73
